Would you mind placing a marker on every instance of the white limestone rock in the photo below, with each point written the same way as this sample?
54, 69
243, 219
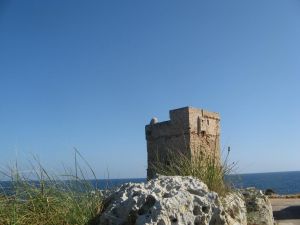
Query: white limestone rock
170, 200
259, 208
235, 209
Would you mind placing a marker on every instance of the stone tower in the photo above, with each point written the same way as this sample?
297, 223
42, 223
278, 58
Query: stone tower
190, 131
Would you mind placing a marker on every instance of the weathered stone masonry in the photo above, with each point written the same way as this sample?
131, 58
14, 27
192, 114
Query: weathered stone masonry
190, 131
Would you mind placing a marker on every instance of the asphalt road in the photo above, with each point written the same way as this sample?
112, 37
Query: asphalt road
286, 211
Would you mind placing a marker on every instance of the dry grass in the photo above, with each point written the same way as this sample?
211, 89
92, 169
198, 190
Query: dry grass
205, 168
49, 200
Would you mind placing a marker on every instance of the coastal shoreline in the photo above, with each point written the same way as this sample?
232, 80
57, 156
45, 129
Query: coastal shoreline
288, 196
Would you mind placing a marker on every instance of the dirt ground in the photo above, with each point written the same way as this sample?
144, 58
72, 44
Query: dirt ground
286, 211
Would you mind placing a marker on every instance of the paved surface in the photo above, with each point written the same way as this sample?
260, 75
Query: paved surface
286, 211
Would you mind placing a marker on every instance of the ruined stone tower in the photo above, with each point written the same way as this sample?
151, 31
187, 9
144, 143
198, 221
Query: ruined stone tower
190, 131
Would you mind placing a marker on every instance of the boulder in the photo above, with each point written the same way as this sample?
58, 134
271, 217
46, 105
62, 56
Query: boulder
169, 200
269, 192
259, 209
235, 208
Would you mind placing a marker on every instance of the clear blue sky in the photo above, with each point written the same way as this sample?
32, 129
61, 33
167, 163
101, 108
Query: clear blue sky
91, 74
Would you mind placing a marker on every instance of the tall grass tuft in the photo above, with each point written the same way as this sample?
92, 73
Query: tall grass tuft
39, 198
205, 168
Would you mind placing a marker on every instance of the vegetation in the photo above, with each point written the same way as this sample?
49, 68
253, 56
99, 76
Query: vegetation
41, 199
38, 198
205, 168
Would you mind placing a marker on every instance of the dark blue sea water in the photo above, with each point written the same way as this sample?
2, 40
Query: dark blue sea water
280, 182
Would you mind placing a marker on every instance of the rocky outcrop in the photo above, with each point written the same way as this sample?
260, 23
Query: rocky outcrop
270, 192
259, 209
235, 209
172, 200
184, 201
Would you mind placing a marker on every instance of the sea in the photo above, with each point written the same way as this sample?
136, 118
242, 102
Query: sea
280, 182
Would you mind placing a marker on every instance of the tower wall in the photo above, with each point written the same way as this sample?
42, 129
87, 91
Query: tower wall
189, 131
204, 133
